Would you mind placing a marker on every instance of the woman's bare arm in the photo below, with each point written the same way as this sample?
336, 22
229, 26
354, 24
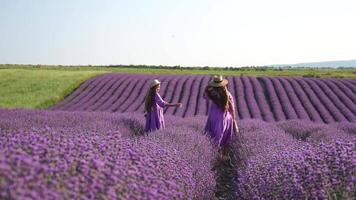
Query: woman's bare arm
163, 103
232, 108
174, 104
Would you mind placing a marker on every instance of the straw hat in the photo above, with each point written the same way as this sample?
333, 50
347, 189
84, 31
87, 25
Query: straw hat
154, 83
218, 81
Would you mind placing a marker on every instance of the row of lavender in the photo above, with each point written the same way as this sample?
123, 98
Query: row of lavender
96, 155
266, 98
296, 160
87, 155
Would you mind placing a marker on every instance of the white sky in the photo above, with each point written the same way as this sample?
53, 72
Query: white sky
176, 32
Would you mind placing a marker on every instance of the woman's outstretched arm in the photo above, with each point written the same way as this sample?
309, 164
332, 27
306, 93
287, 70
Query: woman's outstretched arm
163, 103
174, 104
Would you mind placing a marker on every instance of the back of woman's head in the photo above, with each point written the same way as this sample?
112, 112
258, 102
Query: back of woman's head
219, 96
150, 97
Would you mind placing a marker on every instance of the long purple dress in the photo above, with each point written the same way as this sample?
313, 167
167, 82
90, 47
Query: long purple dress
220, 125
155, 119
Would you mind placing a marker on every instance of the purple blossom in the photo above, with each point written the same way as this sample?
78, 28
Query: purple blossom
267, 98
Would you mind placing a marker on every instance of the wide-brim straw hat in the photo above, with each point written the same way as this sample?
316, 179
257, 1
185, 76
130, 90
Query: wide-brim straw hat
218, 81
154, 83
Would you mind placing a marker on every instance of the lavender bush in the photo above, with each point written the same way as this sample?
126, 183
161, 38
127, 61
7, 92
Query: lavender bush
296, 160
267, 98
85, 155
316, 132
89, 155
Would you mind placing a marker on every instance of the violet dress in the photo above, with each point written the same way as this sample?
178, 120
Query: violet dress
220, 125
155, 119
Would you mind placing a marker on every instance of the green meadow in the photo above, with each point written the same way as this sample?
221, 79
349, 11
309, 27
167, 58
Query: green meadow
32, 87
21, 88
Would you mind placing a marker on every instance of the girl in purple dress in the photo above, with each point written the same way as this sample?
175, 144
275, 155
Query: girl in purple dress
154, 105
221, 124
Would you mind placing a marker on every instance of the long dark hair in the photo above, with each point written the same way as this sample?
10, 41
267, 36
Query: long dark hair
219, 96
150, 97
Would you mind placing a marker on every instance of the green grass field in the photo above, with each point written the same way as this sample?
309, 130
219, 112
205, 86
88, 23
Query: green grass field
248, 71
41, 87
21, 88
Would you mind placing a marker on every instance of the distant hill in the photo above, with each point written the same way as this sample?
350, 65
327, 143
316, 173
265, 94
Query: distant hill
334, 64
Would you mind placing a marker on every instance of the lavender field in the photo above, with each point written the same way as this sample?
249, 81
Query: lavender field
267, 98
97, 155
297, 141
296, 160
62, 155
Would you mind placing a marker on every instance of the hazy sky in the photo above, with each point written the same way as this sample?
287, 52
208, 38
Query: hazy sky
176, 32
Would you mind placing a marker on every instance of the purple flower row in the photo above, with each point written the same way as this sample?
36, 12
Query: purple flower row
296, 160
94, 155
266, 98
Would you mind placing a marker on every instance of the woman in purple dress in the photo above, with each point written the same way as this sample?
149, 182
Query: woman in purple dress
221, 124
154, 105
